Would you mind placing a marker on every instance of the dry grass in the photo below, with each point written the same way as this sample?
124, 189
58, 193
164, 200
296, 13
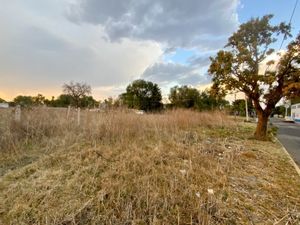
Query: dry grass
123, 168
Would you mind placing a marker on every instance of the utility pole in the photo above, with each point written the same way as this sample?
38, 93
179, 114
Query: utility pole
234, 101
246, 105
287, 104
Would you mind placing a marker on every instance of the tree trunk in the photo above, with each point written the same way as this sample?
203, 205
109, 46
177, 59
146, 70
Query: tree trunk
262, 126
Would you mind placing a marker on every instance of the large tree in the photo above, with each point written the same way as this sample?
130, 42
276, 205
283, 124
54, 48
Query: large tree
143, 95
24, 101
238, 68
290, 63
62, 100
184, 96
78, 92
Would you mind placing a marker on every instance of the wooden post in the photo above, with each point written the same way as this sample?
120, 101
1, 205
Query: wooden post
78, 116
68, 111
18, 113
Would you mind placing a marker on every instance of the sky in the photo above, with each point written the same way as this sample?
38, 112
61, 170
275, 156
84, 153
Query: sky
108, 44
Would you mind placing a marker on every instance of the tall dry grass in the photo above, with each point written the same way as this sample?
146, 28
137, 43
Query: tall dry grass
38, 125
118, 167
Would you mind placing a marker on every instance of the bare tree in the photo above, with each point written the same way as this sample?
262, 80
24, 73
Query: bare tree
77, 91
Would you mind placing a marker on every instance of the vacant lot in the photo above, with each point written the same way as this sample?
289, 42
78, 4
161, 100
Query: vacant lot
179, 167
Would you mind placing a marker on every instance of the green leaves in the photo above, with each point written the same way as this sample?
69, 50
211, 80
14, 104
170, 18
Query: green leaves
188, 97
143, 95
184, 96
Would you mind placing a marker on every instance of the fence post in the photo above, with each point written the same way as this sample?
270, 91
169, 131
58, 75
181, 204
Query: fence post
68, 111
78, 116
18, 113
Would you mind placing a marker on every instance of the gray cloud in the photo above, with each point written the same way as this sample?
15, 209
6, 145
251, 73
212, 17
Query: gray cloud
41, 51
44, 44
167, 72
175, 22
36, 56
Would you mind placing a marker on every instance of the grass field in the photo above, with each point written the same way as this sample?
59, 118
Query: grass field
177, 167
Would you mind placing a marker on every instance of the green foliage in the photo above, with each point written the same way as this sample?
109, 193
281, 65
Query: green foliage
62, 101
39, 99
184, 96
239, 107
188, 97
208, 101
142, 95
88, 102
109, 102
65, 100
24, 101
279, 110
2, 100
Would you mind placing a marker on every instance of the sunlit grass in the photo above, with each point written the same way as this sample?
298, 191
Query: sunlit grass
177, 167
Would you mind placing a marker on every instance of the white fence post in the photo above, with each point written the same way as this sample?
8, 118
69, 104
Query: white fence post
78, 116
18, 113
68, 111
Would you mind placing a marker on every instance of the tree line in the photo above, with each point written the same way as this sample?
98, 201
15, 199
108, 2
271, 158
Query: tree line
140, 94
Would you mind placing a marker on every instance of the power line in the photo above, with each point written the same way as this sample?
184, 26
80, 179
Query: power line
284, 37
290, 22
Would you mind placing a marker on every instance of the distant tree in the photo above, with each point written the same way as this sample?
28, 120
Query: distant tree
209, 101
184, 96
239, 106
39, 99
62, 101
24, 101
238, 68
50, 103
77, 91
109, 102
88, 101
279, 110
142, 95
117, 102
188, 97
2, 100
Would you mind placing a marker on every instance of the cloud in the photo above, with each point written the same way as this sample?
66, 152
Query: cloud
37, 55
165, 73
176, 23
108, 43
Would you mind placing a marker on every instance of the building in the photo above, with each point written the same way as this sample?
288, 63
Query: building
4, 105
295, 112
